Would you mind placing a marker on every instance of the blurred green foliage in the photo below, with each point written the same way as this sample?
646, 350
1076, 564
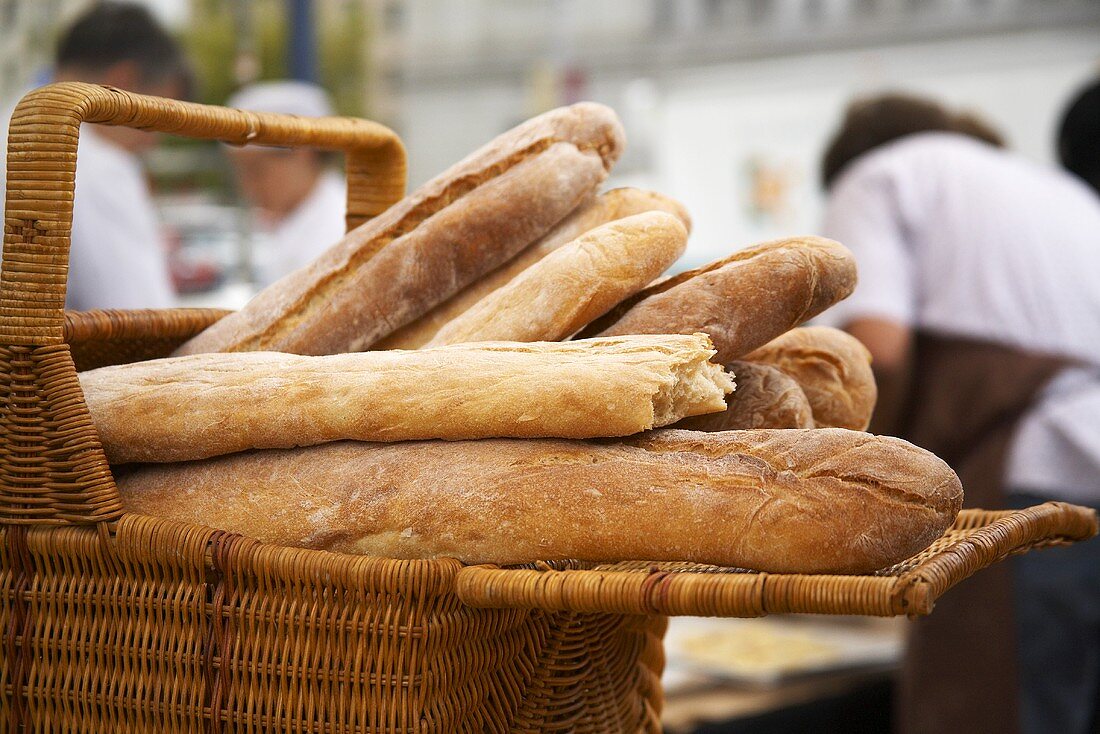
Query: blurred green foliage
221, 32
343, 54
211, 45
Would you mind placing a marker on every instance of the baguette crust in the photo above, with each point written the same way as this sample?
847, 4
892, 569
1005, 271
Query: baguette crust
462, 224
570, 287
765, 398
834, 370
209, 404
607, 207
743, 301
813, 501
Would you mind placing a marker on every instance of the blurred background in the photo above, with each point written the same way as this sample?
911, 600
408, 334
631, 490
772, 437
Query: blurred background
727, 104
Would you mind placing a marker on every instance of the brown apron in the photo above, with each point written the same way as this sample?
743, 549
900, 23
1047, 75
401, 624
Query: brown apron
960, 671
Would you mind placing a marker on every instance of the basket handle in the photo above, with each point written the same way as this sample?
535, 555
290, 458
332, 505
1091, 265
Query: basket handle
52, 468
42, 142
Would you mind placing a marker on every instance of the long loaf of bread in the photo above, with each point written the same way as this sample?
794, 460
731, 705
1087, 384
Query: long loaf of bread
834, 370
462, 224
209, 404
812, 501
743, 301
765, 398
607, 207
571, 286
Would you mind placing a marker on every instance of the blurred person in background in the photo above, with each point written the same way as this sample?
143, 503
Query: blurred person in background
979, 299
1079, 136
298, 201
118, 258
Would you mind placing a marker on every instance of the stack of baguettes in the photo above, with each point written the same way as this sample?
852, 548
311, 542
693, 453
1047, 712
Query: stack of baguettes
493, 370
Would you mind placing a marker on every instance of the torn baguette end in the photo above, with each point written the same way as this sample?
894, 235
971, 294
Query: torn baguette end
696, 386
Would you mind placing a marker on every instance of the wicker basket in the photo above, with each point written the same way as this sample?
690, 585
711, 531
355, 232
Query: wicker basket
118, 622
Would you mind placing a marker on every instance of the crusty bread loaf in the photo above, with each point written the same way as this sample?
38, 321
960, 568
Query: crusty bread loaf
462, 224
743, 301
209, 404
764, 398
813, 501
607, 207
568, 288
834, 370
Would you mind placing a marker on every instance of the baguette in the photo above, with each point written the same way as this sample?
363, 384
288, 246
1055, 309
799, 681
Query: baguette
765, 398
813, 501
607, 207
834, 370
462, 224
204, 405
743, 301
573, 285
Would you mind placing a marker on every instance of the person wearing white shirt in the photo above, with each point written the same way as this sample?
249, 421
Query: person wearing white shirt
117, 257
298, 202
968, 247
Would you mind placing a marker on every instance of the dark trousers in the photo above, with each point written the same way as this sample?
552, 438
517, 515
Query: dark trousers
1057, 599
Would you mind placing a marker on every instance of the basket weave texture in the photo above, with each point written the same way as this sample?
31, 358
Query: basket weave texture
118, 622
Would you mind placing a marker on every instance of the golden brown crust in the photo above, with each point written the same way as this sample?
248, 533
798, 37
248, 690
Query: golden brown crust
570, 287
607, 207
764, 398
834, 370
462, 224
743, 301
813, 501
210, 404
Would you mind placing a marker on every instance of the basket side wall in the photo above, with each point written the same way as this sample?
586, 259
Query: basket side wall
168, 627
